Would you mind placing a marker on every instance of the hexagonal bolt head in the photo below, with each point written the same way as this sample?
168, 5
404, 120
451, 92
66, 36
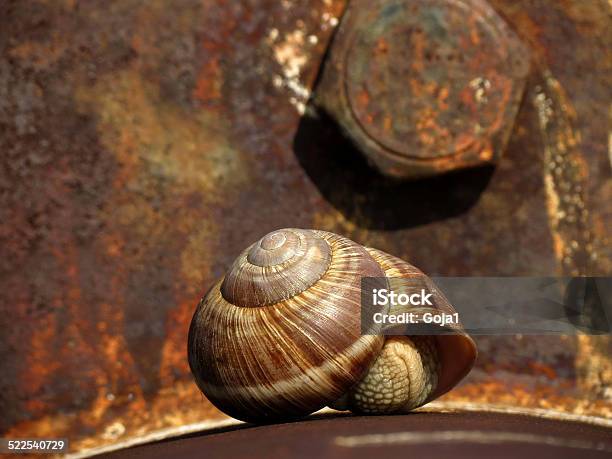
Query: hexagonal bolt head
424, 87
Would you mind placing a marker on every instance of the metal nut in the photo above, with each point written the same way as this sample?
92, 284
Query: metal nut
423, 87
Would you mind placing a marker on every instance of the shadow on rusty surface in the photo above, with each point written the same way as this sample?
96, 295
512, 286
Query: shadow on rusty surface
375, 201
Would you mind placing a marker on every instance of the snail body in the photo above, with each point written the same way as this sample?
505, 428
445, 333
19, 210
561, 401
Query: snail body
280, 335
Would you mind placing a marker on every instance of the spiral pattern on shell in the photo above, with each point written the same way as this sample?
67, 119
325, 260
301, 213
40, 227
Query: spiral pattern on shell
280, 265
290, 348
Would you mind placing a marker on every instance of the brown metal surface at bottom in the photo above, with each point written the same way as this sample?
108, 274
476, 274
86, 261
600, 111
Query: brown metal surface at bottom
427, 435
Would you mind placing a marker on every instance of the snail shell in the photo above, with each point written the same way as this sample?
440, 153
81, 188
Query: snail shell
280, 335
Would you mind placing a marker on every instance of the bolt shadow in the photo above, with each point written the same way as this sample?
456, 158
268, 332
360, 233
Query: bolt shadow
369, 199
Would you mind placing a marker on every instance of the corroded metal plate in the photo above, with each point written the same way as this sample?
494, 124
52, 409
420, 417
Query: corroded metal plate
145, 145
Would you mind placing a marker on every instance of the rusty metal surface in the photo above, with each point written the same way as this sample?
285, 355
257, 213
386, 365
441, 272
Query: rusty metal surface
144, 144
428, 435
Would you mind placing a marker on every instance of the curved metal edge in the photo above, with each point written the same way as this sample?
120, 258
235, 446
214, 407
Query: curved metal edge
433, 407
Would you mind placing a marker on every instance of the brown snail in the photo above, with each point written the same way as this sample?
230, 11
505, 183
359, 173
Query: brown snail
280, 335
